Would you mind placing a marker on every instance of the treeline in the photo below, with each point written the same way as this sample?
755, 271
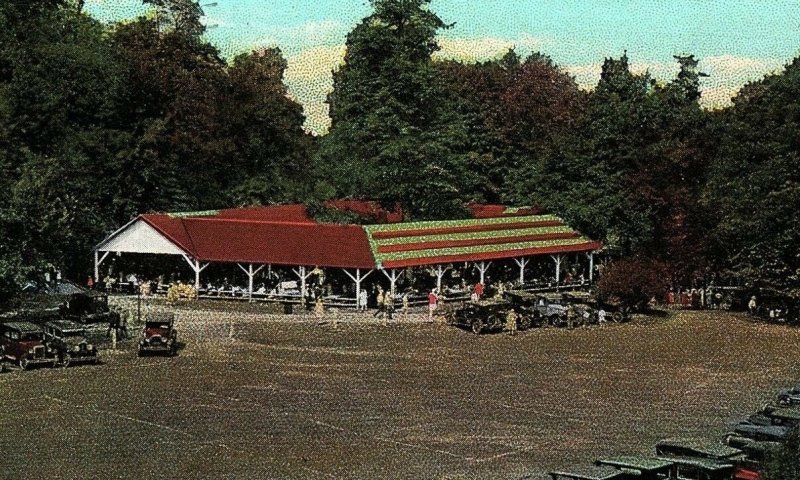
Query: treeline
101, 122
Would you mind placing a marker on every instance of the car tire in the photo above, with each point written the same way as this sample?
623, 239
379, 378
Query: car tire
65, 361
477, 326
617, 317
24, 363
556, 321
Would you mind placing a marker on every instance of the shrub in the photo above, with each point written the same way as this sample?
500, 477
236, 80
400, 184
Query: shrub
633, 281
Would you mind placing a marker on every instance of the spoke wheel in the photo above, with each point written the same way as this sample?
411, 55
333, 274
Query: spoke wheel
477, 326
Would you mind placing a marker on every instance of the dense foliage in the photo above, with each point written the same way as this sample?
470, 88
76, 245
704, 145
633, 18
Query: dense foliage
784, 464
100, 122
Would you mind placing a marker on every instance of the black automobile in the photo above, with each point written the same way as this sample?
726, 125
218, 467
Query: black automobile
480, 317
68, 341
87, 307
159, 335
524, 305
789, 396
751, 430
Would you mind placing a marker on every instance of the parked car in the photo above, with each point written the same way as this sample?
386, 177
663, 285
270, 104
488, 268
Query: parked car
788, 416
673, 467
480, 317
552, 309
159, 335
68, 341
88, 308
644, 468
789, 396
23, 344
745, 468
591, 472
747, 432
524, 305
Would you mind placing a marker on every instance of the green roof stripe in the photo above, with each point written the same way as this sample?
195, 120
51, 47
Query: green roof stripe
515, 232
443, 252
199, 213
399, 227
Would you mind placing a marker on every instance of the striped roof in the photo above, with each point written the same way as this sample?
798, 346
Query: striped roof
286, 235
425, 243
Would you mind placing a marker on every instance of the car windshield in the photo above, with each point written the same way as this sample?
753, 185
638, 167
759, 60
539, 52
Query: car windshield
162, 325
30, 336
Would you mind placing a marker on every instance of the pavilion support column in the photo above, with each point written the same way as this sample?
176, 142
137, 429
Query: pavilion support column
197, 267
591, 266
97, 261
301, 272
358, 278
482, 267
440, 270
393, 276
558, 259
521, 263
250, 272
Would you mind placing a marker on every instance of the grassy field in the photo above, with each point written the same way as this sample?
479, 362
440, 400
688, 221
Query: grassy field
290, 398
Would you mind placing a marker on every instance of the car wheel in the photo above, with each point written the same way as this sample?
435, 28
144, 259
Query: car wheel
556, 321
477, 326
24, 363
617, 317
65, 361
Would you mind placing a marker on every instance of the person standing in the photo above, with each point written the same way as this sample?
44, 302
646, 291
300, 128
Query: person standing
511, 322
433, 300
362, 300
380, 300
571, 315
405, 304
478, 290
752, 306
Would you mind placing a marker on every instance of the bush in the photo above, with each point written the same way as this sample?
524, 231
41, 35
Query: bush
633, 281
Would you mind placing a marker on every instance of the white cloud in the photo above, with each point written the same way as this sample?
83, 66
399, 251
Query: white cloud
308, 76
482, 48
727, 74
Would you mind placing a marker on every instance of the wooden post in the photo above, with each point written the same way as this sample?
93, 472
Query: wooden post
522, 263
250, 275
482, 267
439, 274
591, 266
392, 280
557, 259
357, 279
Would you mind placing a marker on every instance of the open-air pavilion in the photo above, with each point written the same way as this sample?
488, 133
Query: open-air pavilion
285, 235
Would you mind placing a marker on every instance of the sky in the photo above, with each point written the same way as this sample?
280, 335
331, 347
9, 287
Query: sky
737, 41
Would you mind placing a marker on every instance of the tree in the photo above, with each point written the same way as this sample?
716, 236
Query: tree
634, 281
754, 183
393, 136
266, 129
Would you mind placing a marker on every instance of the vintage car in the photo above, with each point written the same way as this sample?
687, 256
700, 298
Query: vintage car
671, 467
88, 308
480, 317
789, 396
524, 305
23, 344
788, 416
591, 472
745, 467
644, 468
67, 340
159, 335
751, 430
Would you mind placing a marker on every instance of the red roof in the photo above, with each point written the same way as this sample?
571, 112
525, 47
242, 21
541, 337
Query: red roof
285, 235
218, 239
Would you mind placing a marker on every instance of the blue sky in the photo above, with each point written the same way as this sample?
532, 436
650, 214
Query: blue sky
736, 40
